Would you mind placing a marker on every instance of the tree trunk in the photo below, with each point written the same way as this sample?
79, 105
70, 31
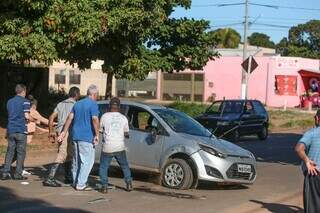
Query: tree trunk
108, 93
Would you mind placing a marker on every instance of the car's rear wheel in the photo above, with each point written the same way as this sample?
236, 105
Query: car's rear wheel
263, 134
177, 174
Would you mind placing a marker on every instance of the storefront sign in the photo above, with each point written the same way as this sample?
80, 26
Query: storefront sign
287, 63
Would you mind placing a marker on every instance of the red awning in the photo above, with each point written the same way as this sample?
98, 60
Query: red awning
309, 73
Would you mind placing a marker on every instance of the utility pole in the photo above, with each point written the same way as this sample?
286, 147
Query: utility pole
244, 76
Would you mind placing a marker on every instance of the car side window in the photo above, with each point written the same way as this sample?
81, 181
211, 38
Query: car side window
249, 107
258, 107
140, 119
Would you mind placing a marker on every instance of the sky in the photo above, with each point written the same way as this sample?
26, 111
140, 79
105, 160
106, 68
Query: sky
232, 16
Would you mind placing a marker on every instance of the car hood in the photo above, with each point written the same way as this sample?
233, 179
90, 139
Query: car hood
220, 145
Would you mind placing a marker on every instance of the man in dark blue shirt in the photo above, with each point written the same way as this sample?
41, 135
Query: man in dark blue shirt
85, 132
18, 109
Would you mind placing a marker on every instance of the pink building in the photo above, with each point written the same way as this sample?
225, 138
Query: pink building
277, 81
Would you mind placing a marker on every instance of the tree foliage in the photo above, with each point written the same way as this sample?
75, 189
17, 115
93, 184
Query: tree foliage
132, 37
227, 38
261, 40
303, 41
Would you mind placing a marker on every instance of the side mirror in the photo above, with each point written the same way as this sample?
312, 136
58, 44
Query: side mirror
154, 134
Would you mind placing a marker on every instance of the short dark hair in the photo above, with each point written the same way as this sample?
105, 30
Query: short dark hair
20, 88
115, 102
73, 92
32, 100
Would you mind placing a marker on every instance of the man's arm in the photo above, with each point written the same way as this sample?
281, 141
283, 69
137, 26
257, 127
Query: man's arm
66, 127
52, 117
96, 126
311, 166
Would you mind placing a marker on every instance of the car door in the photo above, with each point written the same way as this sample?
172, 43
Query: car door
261, 113
143, 152
249, 119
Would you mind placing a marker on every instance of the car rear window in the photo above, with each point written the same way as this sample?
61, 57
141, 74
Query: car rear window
258, 107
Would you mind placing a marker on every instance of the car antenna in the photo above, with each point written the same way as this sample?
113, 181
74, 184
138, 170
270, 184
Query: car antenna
235, 127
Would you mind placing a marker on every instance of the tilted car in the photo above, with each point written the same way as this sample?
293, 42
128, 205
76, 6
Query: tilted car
235, 118
175, 146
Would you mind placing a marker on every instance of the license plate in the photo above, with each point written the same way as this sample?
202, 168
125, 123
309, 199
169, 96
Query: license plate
244, 168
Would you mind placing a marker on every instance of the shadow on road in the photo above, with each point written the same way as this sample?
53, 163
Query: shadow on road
9, 202
278, 148
276, 207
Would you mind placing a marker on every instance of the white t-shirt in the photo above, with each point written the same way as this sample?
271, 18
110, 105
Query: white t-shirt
113, 126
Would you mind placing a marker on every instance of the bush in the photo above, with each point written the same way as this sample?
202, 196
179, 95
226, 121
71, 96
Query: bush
192, 109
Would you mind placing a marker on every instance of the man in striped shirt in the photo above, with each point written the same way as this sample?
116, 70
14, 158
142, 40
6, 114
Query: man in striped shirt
18, 114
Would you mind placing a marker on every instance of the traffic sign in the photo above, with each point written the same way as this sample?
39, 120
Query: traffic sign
253, 64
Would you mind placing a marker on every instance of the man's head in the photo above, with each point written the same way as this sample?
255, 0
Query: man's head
115, 104
33, 101
93, 92
21, 90
74, 93
317, 118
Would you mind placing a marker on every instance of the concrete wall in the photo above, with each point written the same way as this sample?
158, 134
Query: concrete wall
88, 77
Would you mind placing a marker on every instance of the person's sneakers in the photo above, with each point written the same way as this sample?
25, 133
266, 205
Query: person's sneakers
68, 180
6, 176
129, 187
26, 173
103, 189
19, 177
51, 183
86, 188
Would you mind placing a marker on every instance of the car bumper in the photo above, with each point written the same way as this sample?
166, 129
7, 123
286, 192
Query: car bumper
212, 168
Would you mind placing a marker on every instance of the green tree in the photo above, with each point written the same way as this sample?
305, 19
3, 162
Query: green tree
303, 41
227, 38
261, 40
132, 37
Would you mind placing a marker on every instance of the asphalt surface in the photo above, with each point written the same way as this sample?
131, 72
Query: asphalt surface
278, 188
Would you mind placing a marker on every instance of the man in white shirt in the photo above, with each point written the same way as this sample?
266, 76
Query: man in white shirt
115, 129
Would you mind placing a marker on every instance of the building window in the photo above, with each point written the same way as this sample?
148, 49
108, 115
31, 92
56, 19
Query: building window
60, 78
286, 85
176, 77
74, 78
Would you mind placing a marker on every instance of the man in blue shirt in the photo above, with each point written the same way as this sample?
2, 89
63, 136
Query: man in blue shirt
308, 149
18, 109
85, 132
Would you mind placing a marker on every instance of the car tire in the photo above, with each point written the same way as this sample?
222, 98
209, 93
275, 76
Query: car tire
177, 174
263, 134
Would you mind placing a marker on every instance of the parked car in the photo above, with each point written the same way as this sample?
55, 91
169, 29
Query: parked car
175, 146
234, 118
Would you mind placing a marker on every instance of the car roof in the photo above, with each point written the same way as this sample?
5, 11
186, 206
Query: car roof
242, 100
136, 103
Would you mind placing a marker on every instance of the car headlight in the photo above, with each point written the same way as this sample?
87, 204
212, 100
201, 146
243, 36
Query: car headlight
223, 123
252, 155
212, 151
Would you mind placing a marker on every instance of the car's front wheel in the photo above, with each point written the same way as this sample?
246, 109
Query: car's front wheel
263, 134
177, 174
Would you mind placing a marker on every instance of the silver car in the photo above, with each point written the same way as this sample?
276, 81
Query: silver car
170, 143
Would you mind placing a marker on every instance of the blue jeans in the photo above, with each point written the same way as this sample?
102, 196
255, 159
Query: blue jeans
105, 161
83, 160
17, 142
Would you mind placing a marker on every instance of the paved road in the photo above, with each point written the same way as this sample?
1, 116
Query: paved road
277, 189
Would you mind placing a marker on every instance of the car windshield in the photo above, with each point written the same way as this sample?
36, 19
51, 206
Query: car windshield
225, 107
180, 122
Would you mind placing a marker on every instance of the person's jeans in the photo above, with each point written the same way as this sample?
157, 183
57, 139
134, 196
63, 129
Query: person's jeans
16, 143
83, 160
105, 161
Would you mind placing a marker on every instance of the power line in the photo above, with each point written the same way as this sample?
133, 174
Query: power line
284, 7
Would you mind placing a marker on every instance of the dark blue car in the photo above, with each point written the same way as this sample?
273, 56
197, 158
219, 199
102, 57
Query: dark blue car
235, 118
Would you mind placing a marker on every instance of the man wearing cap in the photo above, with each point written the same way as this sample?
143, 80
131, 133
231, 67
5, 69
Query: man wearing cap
115, 129
308, 149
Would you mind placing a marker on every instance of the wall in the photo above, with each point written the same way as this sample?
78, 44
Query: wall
88, 77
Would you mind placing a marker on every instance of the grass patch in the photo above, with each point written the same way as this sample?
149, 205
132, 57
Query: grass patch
192, 109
